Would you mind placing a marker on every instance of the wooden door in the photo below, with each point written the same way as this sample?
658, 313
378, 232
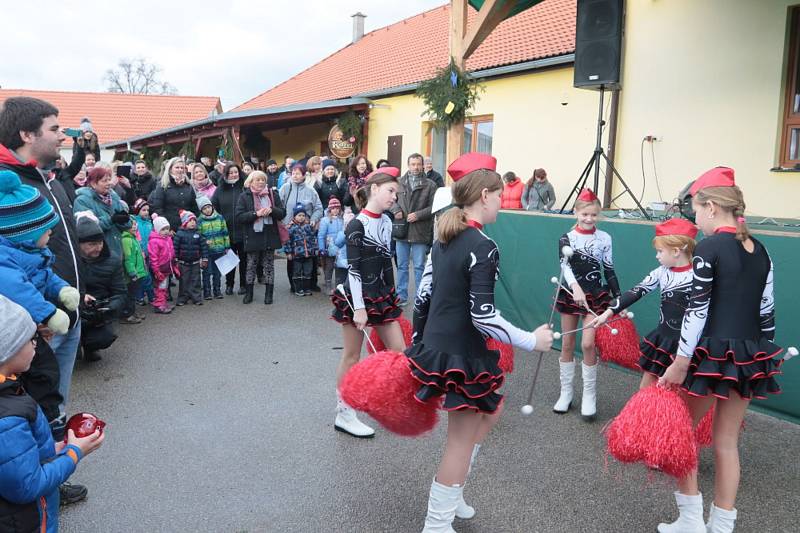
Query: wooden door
394, 150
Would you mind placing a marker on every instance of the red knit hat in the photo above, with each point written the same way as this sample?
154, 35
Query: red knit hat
470, 162
676, 226
588, 195
334, 202
391, 171
716, 177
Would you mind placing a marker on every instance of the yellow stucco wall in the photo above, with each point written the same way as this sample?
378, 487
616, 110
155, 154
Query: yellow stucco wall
707, 76
298, 140
532, 127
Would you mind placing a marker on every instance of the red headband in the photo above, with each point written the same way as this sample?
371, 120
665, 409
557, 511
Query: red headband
676, 226
470, 162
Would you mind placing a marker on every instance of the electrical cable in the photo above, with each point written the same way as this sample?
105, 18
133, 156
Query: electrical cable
655, 172
641, 159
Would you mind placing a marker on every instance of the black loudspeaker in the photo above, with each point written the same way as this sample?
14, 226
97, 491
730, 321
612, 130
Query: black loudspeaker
598, 44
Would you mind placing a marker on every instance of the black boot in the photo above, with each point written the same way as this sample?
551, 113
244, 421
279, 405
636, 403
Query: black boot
229, 290
248, 293
268, 293
242, 290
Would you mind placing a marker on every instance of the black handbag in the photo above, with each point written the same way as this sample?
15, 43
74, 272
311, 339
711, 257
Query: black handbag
399, 229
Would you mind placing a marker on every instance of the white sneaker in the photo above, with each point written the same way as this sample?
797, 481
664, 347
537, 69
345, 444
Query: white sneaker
347, 422
690, 519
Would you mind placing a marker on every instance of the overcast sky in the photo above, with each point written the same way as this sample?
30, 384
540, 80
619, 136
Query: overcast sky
234, 49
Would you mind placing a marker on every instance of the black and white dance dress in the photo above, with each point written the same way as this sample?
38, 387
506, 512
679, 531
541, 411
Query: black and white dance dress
590, 262
454, 314
370, 278
657, 349
730, 324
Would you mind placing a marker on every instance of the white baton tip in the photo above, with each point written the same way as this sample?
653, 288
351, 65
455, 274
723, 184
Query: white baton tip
340, 288
792, 351
554, 280
630, 314
614, 331
527, 410
556, 335
566, 251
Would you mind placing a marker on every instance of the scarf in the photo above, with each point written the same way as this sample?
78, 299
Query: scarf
357, 181
199, 187
260, 201
105, 198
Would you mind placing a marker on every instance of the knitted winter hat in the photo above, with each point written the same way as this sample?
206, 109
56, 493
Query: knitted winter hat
18, 328
160, 223
328, 163
334, 202
138, 205
186, 216
202, 201
88, 227
272, 162
24, 213
299, 208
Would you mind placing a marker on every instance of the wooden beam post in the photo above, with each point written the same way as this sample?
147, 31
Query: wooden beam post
458, 28
492, 13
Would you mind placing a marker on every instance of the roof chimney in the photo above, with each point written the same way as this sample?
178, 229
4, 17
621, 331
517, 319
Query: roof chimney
358, 26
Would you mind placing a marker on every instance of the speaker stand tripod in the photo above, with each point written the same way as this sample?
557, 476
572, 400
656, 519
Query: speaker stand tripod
593, 167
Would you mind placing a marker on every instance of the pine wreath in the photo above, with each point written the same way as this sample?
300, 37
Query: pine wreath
449, 95
350, 124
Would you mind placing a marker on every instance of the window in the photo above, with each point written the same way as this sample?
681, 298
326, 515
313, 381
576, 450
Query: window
478, 134
436, 147
790, 139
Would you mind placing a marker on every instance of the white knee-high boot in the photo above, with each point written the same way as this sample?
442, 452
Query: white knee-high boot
347, 422
589, 399
464, 511
442, 502
690, 519
567, 374
720, 520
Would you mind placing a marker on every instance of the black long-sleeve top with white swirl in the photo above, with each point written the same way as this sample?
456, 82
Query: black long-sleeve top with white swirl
732, 293
369, 256
592, 258
675, 285
454, 309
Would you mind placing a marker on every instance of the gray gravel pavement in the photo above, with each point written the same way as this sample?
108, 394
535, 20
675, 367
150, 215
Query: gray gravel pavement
220, 418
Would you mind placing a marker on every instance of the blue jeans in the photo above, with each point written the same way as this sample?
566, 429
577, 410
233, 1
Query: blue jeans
65, 348
418, 253
212, 277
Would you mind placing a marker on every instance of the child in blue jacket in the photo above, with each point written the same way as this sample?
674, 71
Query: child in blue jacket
25, 261
329, 227
31, 465
301, 250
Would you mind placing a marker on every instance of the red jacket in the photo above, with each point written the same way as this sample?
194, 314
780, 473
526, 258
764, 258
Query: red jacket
512, 195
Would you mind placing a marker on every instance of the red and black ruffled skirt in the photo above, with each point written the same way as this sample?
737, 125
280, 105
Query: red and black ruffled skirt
598, 301
747, 366
657, 351
381, 308
466, 382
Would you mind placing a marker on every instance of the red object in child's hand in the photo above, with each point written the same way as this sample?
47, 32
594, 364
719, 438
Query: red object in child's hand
405, 325
84, 424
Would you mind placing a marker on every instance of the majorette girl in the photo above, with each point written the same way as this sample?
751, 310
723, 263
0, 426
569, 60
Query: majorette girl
454, 313
674, 243
369, 287
583, 273
726, 351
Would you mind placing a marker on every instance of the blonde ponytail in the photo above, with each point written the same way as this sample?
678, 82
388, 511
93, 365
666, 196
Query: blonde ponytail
450, 224
731, 200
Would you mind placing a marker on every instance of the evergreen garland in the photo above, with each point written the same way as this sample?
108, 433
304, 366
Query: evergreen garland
449, 95
350, 124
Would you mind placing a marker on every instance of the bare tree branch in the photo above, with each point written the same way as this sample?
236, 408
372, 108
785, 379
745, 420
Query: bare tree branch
137, 76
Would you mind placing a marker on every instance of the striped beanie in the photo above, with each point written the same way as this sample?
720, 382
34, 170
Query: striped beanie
24, 213
186, 216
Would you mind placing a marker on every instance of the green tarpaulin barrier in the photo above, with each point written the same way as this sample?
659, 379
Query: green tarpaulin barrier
528, 245
519, 6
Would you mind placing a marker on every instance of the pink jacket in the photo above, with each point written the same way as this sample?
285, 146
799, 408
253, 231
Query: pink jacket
162, 254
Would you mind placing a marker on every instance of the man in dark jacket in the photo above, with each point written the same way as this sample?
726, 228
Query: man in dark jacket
142, 181
224, 201
432, 174
273, 174
106, 293
29, 137
414, 201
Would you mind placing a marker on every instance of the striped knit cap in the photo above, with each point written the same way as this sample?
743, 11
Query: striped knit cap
24, 213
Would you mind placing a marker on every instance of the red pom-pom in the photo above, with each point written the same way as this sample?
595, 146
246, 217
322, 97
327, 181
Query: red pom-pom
506, 362
704, 431
382, 386
405, 325
654, 428
622, 348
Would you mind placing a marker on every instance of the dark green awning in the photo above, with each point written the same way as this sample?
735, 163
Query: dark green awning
519, 5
